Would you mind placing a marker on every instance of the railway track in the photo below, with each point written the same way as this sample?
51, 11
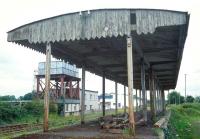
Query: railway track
18, 128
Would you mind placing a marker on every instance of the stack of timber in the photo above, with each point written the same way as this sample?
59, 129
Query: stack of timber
163, 122
114, 121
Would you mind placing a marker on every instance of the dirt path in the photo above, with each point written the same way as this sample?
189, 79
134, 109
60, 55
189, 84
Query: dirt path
91, 130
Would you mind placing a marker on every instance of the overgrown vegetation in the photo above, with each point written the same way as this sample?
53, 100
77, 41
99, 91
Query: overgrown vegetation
185, 121
11, 113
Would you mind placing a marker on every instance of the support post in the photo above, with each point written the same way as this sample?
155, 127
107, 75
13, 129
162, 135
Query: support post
151, 89
136, 94
185, 88
116, 102
83, 96
62, 93
159, 100
130, 85
144, 106
70, 89
64, 96
38, 87
124, 99
47, 86
62, 86
56, 89
140, 104
163, 101
103, 93
154, 92
78, 90
168, 97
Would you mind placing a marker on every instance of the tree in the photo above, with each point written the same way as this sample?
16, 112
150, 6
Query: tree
7, 98
28, 96
190, 99
197, 99
182, 99
175, 98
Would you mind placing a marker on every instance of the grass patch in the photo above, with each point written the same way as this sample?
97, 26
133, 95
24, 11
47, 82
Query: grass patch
182, 121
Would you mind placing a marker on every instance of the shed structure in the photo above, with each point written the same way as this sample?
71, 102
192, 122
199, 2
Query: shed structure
101, 42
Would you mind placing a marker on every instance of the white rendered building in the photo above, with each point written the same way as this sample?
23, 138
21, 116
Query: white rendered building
110, 101
91, 103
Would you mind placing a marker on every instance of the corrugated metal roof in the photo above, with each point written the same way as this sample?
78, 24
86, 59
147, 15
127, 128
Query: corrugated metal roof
97, 39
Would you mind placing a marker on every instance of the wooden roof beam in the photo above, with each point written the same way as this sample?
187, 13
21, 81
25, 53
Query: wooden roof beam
163, 62
105, 53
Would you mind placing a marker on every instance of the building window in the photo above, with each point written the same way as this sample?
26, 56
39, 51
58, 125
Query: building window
85, 107
66, 107
90, 96
90, 107
114, 104
75, 107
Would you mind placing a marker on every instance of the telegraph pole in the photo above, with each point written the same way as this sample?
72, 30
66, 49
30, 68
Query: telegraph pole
185, 87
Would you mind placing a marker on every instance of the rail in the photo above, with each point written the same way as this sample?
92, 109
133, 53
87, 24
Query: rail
9, 130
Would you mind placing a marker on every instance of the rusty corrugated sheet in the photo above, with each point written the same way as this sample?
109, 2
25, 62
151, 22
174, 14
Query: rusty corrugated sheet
148, 20
95, 24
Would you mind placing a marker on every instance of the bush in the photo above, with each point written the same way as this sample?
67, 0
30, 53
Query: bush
34, 108
53, 108
9, 112
190, 99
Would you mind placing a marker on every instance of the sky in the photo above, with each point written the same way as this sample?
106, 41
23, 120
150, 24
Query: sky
17, 63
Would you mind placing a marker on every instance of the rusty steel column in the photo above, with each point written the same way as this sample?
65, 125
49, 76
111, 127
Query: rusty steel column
144, 106
168, 97
70, 89
47, 86
116, 97
130, 85
163, 100
62, 93
160, 99
151, 90
103, 94
83, 96
64, 97
154, 91
140, 104
156, 97
38, 88
136, 98
62, 86
78, 90
56, 89
124, 99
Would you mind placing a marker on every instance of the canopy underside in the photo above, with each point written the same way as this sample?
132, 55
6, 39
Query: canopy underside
158, 38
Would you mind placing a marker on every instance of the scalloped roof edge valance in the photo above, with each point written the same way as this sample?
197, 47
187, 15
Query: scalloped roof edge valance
96, 24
